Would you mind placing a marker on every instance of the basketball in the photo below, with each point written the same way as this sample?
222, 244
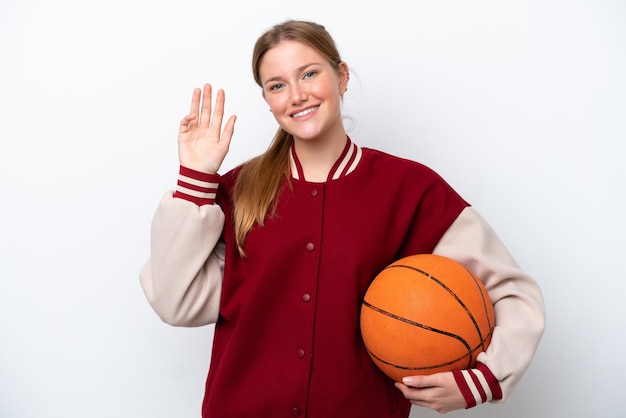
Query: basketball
426, 314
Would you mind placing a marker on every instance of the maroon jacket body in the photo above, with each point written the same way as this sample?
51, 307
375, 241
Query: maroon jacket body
287, 341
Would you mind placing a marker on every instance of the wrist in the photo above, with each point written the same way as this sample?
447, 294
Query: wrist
477, 385
196, 186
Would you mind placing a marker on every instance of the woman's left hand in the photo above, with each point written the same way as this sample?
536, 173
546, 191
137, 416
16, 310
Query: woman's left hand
438, 391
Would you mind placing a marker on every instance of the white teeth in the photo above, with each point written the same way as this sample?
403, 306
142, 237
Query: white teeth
305, 112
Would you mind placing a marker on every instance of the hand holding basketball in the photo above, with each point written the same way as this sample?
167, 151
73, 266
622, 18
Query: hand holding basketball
437, 391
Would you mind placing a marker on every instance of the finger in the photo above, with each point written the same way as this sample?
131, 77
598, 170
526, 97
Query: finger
185, 122
195, 102
205, 115
218, 112
424, 381
229, 129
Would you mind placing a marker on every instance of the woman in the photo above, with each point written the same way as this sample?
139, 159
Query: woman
279, 252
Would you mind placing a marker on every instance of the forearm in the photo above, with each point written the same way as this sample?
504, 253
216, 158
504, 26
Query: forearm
517, 299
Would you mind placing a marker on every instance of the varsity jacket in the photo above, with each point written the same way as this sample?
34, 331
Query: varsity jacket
286, 340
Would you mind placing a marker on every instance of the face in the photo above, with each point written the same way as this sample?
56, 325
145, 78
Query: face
303, 90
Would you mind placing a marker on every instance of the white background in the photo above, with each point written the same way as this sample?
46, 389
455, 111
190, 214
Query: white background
520, 105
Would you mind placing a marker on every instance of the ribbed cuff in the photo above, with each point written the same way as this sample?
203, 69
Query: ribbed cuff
477, 385
197, 187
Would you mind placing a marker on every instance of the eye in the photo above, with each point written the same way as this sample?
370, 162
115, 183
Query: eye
309, 74
276, 86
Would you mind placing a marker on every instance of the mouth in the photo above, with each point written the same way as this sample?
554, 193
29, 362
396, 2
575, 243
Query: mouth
305, 112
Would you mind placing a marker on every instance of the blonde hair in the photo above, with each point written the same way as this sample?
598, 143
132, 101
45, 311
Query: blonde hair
256, 191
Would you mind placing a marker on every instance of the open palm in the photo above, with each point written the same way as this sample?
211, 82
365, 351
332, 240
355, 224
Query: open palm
202, 145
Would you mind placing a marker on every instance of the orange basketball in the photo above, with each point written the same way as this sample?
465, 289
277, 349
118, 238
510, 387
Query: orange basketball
426, 314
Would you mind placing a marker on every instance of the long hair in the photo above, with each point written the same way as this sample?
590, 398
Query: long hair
259, 181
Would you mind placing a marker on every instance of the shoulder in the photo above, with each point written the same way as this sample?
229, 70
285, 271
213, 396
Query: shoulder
394, 165
383, 157
406, 175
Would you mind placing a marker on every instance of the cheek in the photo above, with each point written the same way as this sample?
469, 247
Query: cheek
329, 90
276, 102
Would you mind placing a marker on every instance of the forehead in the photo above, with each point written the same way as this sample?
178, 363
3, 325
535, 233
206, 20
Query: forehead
288, 56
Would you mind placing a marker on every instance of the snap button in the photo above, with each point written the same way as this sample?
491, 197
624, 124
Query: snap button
306, 297
314, 192
310, 246
295, 412
300, 353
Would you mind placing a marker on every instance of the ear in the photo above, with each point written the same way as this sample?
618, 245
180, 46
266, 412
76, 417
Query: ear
344, 76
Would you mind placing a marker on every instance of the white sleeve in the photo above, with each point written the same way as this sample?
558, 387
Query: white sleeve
182, 279
517, 298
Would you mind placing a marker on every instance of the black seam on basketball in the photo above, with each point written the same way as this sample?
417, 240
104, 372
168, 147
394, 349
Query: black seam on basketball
417, 324
451, 292
485, 302
397, 366
431, 367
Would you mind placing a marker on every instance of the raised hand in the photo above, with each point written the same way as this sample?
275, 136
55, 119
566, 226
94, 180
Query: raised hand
202, 145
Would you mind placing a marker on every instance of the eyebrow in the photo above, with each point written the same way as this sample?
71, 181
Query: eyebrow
298, 70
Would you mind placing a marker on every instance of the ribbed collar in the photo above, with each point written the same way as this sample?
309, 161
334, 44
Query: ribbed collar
345, 164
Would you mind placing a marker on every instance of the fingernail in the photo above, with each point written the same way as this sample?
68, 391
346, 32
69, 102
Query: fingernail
407, 380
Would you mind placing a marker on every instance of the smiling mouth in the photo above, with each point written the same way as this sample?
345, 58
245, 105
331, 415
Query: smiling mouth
305, 112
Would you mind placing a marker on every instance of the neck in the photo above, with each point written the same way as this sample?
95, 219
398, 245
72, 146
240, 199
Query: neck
317, 158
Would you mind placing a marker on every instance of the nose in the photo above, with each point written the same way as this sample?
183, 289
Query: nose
298, 94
